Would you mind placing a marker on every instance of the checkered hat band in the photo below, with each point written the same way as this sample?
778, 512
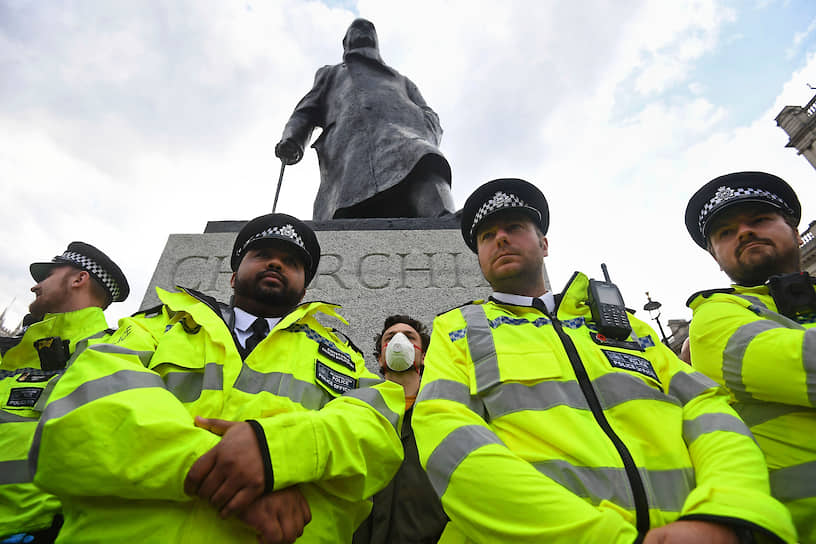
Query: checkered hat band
724, 194
285, 231
496, 202
93, 267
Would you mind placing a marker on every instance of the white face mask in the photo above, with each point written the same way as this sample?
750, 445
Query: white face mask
399, 353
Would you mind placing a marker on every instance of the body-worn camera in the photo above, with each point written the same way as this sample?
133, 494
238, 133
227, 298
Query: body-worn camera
793, 294
53, 352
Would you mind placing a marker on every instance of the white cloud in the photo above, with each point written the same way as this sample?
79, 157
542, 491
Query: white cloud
799, 38
123, 122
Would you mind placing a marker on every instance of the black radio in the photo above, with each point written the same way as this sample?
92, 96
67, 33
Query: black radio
608, 309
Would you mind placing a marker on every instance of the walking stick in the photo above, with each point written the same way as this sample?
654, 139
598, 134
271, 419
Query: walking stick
277, 191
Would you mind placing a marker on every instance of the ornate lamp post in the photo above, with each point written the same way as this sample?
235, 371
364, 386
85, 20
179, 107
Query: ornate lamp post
654, 306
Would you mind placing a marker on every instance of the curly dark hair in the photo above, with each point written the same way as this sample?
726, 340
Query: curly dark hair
392, 320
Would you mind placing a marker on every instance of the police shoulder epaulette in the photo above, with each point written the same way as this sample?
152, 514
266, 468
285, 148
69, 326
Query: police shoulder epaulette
477, 301
708, 292
346, 339
8, 342
150, 312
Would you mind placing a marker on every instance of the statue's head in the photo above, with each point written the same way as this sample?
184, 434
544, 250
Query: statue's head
360, 33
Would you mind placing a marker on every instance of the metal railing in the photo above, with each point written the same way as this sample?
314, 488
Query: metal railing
810, 108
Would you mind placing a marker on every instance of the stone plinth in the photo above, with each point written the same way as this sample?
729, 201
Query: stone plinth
372, 267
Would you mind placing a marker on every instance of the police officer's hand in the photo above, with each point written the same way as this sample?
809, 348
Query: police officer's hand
288, 151
231, 475
691, 532
279, 516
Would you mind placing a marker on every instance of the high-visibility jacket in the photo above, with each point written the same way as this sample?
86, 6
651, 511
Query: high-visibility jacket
117, 437
23, 506
768, 363
535, 428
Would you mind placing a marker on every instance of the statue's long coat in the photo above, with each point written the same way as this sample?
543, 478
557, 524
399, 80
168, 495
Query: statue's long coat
376, 127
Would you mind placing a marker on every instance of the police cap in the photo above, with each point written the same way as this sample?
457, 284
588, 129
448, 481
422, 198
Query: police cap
94, 262
278, 226
501, 195
738, 188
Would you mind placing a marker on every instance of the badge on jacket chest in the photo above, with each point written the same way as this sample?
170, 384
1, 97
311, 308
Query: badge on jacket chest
24, 397
627, 361
336, 381
333, 354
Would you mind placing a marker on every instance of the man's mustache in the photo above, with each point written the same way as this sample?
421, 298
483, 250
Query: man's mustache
272, 273
751, 240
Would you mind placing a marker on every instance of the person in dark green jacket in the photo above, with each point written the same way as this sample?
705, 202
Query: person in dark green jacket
407, 511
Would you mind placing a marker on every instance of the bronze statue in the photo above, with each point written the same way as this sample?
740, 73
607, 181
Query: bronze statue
378, 151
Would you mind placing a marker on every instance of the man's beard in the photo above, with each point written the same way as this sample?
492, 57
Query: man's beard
282, 296
757, 272
36, 310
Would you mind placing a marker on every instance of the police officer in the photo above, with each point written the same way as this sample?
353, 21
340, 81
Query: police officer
756, 336
223, 422
407, 511
536, 424
70, 294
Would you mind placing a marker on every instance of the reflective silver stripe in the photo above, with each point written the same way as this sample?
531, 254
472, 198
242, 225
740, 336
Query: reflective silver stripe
509, 398
123, 380
709, 423
776, 317
666, 489
619, 387
373, 397
809, 363
187, 386
14, 472
735, 351
368, 382
81, 346
753, 300
686, 386
453, 391
9, 417
613, 389
796, 482
481, 346
144, 356
453, 449
756, 413
309, 395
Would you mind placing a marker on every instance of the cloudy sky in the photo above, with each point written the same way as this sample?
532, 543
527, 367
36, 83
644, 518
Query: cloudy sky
122, 122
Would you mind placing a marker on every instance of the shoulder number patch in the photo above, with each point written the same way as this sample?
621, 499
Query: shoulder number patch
24, 397
627, 361
336, 381
331, 352
33, 375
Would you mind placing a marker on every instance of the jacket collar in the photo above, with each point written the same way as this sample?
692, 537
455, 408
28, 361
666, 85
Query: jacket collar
520, 300
207, 311
72, 326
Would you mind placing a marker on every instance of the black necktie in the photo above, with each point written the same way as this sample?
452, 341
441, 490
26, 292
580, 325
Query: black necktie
539, 305
259, 328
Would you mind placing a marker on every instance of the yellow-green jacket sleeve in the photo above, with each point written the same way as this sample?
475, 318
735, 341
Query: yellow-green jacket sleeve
111, 428
733, 342
350, 448
729, 468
